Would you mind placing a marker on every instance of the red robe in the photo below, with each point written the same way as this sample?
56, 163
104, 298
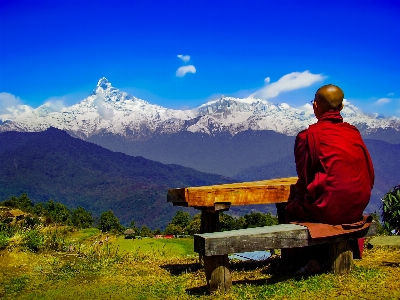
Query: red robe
335, 173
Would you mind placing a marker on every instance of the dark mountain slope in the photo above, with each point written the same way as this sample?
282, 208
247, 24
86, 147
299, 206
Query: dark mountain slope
53, 165
221, 153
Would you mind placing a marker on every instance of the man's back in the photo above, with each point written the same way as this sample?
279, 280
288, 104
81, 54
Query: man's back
339, 173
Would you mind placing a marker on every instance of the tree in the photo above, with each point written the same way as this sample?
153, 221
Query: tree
173, 229
194, 225
258, 219
227, 222
145, 231
81, 218
157, 231
179, 223
23, 202
181, 219
391, 211
60, 213
39, 210
108, 221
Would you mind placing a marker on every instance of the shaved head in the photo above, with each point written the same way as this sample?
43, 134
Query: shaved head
329, 97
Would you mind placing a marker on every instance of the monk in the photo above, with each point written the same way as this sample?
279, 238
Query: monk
335, 171
333, 164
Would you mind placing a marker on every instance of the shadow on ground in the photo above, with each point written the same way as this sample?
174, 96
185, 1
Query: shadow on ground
280, 270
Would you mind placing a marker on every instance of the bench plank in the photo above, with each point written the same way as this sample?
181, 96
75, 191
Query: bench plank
243, 193
251, 239
264, 238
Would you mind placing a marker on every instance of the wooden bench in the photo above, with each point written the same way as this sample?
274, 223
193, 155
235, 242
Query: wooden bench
214, 246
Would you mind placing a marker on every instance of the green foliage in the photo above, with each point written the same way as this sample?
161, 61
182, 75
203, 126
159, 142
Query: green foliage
179, 223
17, 284
227, 222
145, 231
31, 222
55, 240
257, 219
391, 211
81, 218
33, 240
157, 231
108, 222
174, 229
59, 213
254, 219
4, 240
181, 219
194, 225
39, 210
6, 228
23, 203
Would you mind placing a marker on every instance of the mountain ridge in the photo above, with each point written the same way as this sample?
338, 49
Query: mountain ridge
107, 110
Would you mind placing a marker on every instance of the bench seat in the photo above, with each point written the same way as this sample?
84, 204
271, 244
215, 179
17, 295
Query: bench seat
214, 247
265, 238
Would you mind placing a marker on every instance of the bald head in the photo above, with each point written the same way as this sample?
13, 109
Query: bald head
329, 97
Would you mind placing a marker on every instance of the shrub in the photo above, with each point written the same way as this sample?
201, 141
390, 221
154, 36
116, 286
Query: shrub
33, 240
391, 210
4, 239
55, 240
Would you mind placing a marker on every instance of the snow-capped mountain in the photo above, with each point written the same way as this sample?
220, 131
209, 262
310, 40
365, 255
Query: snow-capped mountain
109, 110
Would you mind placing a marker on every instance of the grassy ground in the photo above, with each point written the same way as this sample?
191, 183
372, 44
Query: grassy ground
167, 269
169, 247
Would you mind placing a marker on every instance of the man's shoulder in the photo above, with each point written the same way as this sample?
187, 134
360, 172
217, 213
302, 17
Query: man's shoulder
302, 135
350, 126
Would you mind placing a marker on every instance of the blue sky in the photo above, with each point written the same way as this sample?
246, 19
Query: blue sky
56, 51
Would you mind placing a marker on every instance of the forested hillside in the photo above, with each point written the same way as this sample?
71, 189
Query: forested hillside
53, 165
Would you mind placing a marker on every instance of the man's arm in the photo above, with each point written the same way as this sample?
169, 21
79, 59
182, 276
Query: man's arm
301, 158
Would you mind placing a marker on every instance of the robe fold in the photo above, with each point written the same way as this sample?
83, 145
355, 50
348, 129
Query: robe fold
335, 173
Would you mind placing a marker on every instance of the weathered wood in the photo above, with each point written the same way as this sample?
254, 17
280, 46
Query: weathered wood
209, 221
251, 239
218, 273
370, 231
244, 193
340, 258
263, 238
280, 212
218, 207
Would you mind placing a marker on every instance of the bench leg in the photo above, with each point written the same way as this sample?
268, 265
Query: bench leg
340, 260
218, 273
209, 223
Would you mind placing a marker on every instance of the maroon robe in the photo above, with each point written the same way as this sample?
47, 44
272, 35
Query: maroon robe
335, 173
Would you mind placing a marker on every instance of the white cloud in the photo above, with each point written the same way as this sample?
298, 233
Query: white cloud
185, 69
390, 94
8, 100
55, 103
382, 101
288, 82
185, 58
104, 111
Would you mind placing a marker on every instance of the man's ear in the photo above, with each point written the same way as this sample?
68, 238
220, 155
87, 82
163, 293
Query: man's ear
341, 106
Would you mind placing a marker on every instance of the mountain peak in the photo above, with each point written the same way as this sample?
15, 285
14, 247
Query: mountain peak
103, 83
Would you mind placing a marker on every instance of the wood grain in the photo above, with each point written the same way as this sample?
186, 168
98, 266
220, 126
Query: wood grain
244, 193
263, 238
